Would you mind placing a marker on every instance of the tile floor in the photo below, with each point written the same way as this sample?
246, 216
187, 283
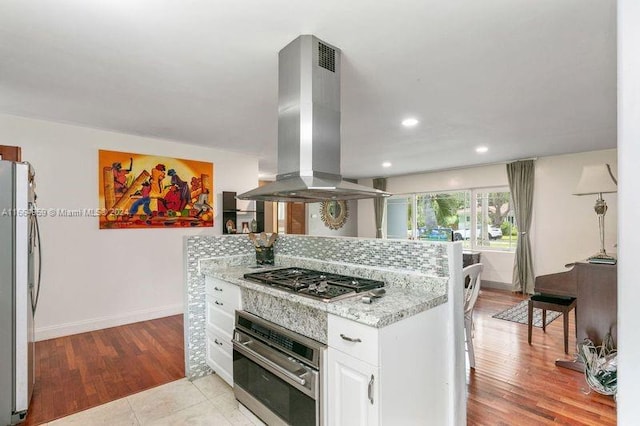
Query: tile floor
205, 401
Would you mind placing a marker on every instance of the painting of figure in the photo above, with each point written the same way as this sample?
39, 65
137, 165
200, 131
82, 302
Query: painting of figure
153, 191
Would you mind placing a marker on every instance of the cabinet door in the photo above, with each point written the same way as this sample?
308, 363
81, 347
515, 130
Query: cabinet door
353, 391
220, 356
296, 214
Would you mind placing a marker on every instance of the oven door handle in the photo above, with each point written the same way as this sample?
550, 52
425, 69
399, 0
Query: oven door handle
244, 349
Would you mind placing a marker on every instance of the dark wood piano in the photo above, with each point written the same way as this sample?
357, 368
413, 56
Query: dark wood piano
596, 287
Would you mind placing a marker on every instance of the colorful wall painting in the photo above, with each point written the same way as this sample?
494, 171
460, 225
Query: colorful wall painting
148, 191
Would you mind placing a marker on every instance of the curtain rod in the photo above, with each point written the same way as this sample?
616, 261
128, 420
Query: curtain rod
524, 159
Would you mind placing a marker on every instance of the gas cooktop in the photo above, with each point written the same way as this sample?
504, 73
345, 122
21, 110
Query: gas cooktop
318, 285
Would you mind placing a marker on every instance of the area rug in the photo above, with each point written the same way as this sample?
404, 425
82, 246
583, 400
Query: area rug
519, 313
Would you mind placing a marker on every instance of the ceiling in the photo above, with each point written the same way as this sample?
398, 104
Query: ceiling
524, 78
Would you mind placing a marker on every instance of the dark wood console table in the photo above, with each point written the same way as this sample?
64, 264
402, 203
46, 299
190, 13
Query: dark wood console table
596, 288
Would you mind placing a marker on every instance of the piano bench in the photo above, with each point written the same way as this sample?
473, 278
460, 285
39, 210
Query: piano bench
551, 303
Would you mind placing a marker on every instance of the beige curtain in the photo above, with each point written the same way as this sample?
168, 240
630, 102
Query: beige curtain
521, 179
378, 204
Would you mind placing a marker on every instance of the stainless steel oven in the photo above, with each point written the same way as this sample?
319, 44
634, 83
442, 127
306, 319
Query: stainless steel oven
277, 372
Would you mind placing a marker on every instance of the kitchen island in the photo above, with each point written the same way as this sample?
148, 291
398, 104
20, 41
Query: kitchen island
399, 359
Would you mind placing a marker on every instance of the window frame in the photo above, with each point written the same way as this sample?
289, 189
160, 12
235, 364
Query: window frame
472, 193
474, 217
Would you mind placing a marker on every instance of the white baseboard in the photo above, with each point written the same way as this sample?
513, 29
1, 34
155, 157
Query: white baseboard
496, 285
91, 324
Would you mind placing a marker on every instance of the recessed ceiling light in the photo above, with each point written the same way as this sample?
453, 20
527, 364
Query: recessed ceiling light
386, 164
482, 149
409, 122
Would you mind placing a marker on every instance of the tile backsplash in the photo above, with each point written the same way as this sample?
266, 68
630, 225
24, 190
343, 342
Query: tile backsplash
407, 255
230, 249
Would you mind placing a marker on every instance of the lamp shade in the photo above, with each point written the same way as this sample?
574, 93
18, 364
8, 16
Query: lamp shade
596, 179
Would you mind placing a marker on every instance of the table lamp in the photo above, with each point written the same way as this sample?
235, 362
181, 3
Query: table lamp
598, 180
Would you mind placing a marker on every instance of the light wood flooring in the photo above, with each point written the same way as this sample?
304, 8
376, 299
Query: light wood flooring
513, 383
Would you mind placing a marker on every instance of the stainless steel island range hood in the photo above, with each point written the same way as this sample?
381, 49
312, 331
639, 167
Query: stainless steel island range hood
309, 128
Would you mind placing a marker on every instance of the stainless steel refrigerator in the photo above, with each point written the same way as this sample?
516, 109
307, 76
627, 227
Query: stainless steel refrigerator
19, 287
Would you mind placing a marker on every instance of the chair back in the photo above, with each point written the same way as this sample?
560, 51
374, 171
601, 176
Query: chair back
471, 291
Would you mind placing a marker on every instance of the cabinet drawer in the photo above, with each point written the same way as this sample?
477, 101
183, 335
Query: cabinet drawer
223, 305
220, 356
357, 340
219, 318
225, 292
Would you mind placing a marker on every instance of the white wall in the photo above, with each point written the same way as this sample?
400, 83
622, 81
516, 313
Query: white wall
366, 218
628, 154
564, 227
315, 225
100, 278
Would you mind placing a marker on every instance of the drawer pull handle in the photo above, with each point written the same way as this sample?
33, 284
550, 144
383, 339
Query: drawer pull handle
217, 343
217, 289
219, 303
350, 339
370, 390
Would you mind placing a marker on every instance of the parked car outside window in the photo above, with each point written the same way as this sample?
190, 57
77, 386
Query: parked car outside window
493, 232
435, 234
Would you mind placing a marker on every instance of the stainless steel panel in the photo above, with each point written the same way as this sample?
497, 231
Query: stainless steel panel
306, 106
326, 140
309, 129
23, 314
16, 315
288, 140
308, 110
326, 112
326, 84
316, 347
311, 190
289, 76
302, 378
289, 108
6, 293
271, 357
257, 407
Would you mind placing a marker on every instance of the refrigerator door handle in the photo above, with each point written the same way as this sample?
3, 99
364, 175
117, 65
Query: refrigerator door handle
35, 241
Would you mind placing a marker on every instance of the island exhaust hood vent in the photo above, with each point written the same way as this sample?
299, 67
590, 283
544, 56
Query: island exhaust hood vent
309, 128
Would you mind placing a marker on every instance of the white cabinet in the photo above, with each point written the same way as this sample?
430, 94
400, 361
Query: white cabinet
353, 391
222, 300
394, 375
355, 339
220, 356
353, 379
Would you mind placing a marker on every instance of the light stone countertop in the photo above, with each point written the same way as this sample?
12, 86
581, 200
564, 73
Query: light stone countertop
398, 302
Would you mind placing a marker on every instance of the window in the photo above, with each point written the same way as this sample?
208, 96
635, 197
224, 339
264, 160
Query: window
480, 218
441, 210
399, 217
495, 220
